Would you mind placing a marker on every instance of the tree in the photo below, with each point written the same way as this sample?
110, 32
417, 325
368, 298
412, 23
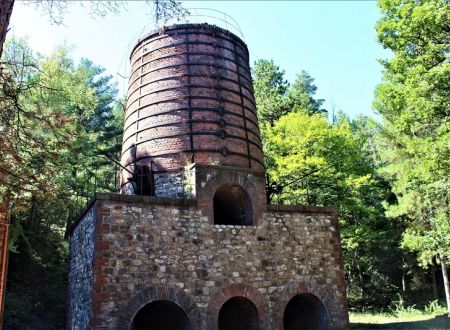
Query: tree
6, 8
58, 123
52, 108
35, 121
61, 120
301, 95
316, 163
414, 102
276, 98
55, 9
270, 91
310, 161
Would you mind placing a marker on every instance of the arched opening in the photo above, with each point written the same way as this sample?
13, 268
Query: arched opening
305, 312
143, 181
161, 315
232, 206
238, 313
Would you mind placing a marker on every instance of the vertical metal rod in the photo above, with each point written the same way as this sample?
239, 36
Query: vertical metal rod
95, 178
115, 176
86, 191
142, 180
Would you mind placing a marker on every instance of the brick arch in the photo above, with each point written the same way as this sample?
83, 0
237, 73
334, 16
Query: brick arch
295, 288
237, 290
150, 294
253, 187
223, 178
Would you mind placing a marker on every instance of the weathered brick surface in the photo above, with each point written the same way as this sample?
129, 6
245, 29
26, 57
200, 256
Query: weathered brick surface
190, 95
81, 272
144, 245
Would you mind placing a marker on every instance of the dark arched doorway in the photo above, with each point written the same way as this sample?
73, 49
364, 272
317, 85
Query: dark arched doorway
305, 312
232, 206
238, 313
161, 315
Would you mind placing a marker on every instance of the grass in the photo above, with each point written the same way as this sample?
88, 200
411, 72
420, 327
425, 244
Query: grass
384, 321
433, 317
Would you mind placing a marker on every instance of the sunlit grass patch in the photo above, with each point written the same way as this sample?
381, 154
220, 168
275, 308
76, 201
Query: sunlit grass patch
432, 317
369, 318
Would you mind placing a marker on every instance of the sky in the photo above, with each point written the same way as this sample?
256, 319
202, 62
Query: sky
334, 41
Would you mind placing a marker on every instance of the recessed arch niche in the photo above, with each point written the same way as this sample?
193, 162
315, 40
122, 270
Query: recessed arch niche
238, 313
232, 206
161, 315
305, 312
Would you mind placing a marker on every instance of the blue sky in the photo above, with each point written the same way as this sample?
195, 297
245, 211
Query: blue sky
335, 41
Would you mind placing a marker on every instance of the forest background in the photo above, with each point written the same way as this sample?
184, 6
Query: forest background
61, 125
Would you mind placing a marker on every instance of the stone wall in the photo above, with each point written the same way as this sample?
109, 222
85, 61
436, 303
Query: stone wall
151, 249
170, 185
81, 272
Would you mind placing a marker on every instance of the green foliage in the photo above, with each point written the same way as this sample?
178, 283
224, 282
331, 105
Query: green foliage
413, 100
301, 95
317, 163
274, 96
310, 161
57, 116
270, 91
434, 308
37, 279
15, 232
44, 100
308, 147
64, 121
415, 94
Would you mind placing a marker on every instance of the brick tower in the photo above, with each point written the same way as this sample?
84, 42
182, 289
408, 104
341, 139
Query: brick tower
190, 242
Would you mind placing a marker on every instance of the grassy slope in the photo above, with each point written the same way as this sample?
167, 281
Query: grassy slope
402, 321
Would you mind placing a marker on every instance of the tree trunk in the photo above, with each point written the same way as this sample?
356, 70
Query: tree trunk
6, 7
360, 276
70, 220
435, 287
446, 284
403, 281
403, 275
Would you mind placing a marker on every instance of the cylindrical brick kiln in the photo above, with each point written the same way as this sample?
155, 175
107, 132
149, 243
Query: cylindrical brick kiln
190, 100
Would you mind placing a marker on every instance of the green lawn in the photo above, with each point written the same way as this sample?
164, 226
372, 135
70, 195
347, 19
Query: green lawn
406, 321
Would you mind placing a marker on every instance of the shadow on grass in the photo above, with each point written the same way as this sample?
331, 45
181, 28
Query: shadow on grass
438, 323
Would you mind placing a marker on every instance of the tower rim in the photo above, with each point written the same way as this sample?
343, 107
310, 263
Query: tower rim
172, 27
